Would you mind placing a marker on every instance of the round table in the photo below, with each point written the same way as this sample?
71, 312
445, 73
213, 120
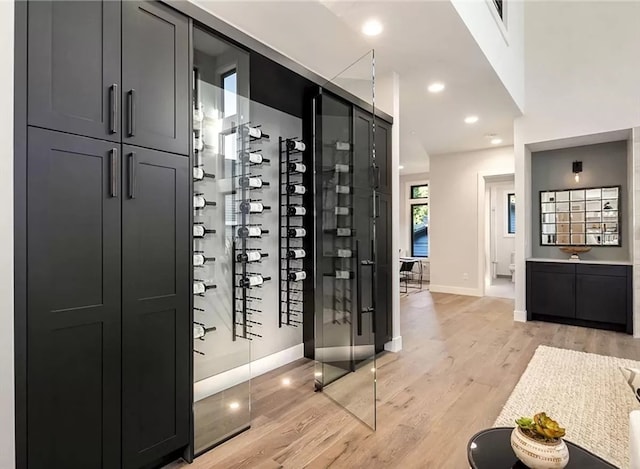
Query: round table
491, 449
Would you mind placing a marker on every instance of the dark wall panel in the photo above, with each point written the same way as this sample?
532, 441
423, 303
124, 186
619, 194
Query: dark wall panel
276, 86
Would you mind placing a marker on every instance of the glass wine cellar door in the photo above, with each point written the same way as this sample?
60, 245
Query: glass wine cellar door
344, 160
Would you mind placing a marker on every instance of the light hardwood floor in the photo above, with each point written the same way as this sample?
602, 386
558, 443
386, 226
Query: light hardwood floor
462, 358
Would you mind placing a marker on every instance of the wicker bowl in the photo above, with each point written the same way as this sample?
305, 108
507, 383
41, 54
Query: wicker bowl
575, 250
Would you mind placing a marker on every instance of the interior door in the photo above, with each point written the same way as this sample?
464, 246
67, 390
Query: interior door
73, 315
74, 67
345, 252
155, 76
156, 327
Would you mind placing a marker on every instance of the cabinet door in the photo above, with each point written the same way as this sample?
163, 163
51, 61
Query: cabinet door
74, 67
552, 293
73, 313
156, 296
155, 76
601, 298
383, 271
383, 155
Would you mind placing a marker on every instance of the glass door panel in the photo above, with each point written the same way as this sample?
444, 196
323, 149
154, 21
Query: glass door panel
345, 257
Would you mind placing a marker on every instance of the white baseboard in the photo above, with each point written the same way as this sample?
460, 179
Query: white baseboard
520, 316
215, 384
395, 345
455, 290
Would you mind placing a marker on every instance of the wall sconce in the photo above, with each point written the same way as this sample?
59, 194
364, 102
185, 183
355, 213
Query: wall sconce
577, 169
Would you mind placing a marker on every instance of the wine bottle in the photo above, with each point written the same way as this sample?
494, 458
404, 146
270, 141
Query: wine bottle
296, 254
199, 287
251, 232
253, 207
255, 132
296, 211
297, 167
342, 168
253, 281
344, 253
343, 189
297, 276
198, 143
296, 189
341, 232
343, 146
255, 158
342, 210
251, 256
199, 231
297, 233
200, 260
255, 183
296, 145
199, 174
200, 202
343, 274
199, 330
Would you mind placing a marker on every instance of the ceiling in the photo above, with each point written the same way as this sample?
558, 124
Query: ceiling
422, 41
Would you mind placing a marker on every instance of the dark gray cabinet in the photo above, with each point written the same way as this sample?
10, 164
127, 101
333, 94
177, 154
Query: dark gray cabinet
155, 77
74, 67
155, 307
383, 155
74, 292
384, 281
593, 295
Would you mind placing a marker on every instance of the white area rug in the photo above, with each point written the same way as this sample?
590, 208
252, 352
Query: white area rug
584, 392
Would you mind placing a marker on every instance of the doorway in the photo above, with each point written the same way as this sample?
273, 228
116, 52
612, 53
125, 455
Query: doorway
500, 224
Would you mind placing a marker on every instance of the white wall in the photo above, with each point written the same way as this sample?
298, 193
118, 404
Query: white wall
7, 403
455, 216
502, 243
502, 42
581, 77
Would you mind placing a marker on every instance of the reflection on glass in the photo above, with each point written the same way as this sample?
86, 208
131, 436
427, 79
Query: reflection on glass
345, 341
222, 393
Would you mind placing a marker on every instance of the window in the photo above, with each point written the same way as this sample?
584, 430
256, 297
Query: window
229, 98
420, 230
498, 5
511, 213
420, 192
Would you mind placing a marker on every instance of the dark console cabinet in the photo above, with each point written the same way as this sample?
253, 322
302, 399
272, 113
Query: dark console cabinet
591, 295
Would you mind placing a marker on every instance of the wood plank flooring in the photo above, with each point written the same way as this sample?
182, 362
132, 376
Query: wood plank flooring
462, 358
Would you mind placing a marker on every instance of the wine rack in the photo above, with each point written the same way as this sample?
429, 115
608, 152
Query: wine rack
247, 254
292, 231
340, 246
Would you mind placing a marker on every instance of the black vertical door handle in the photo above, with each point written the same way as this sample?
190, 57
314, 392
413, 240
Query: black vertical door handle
131, 103
358, 289
113, 177
113, 111
132, 175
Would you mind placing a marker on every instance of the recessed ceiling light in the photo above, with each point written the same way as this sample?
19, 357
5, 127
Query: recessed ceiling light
496, 141
372, 27
471, 119
400, 167
234, 405
436, 87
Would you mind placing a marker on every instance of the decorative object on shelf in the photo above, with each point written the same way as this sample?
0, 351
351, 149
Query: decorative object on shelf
575, 250
580, 217
292, 231
576, 168
538, 442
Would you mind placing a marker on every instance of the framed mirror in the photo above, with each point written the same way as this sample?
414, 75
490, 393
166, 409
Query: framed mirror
580, 217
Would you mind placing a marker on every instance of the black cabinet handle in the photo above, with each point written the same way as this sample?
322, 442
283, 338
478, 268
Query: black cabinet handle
113, 177
131, 103
132, 175
376, 205
375, 176
358, 289
113, 114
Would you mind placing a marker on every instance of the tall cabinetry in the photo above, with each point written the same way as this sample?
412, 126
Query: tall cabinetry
108, 237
